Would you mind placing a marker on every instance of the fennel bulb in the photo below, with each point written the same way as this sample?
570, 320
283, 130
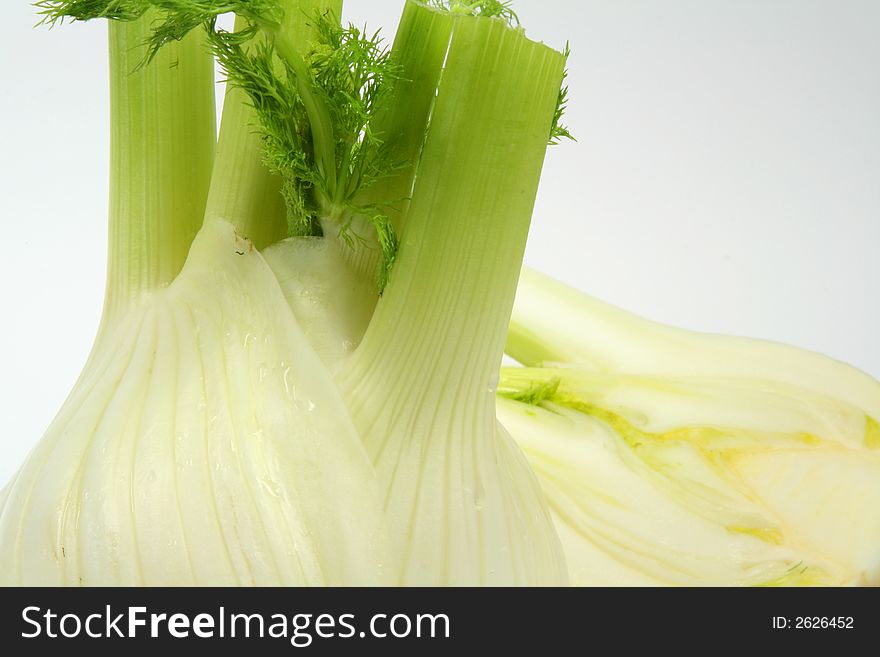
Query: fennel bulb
671, 457
295, 378
259, 415
195, 446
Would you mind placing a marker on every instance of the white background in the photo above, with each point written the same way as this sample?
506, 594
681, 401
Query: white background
726, 178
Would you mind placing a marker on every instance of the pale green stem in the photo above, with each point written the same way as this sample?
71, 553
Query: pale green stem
243, 191
421, 386
161, 153
419, 49
323, 140
438, 331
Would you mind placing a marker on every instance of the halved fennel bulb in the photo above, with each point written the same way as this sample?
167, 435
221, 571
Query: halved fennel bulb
670, 457
204, 443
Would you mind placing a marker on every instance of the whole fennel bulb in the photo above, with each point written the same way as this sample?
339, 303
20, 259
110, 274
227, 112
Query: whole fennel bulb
211, 440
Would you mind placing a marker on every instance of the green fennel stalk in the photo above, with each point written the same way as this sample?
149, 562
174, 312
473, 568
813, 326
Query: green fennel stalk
434, 438
161, 154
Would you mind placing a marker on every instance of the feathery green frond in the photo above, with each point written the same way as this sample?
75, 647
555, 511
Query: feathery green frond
339, 83
488, 8
57, 11
175, 18
559, 131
